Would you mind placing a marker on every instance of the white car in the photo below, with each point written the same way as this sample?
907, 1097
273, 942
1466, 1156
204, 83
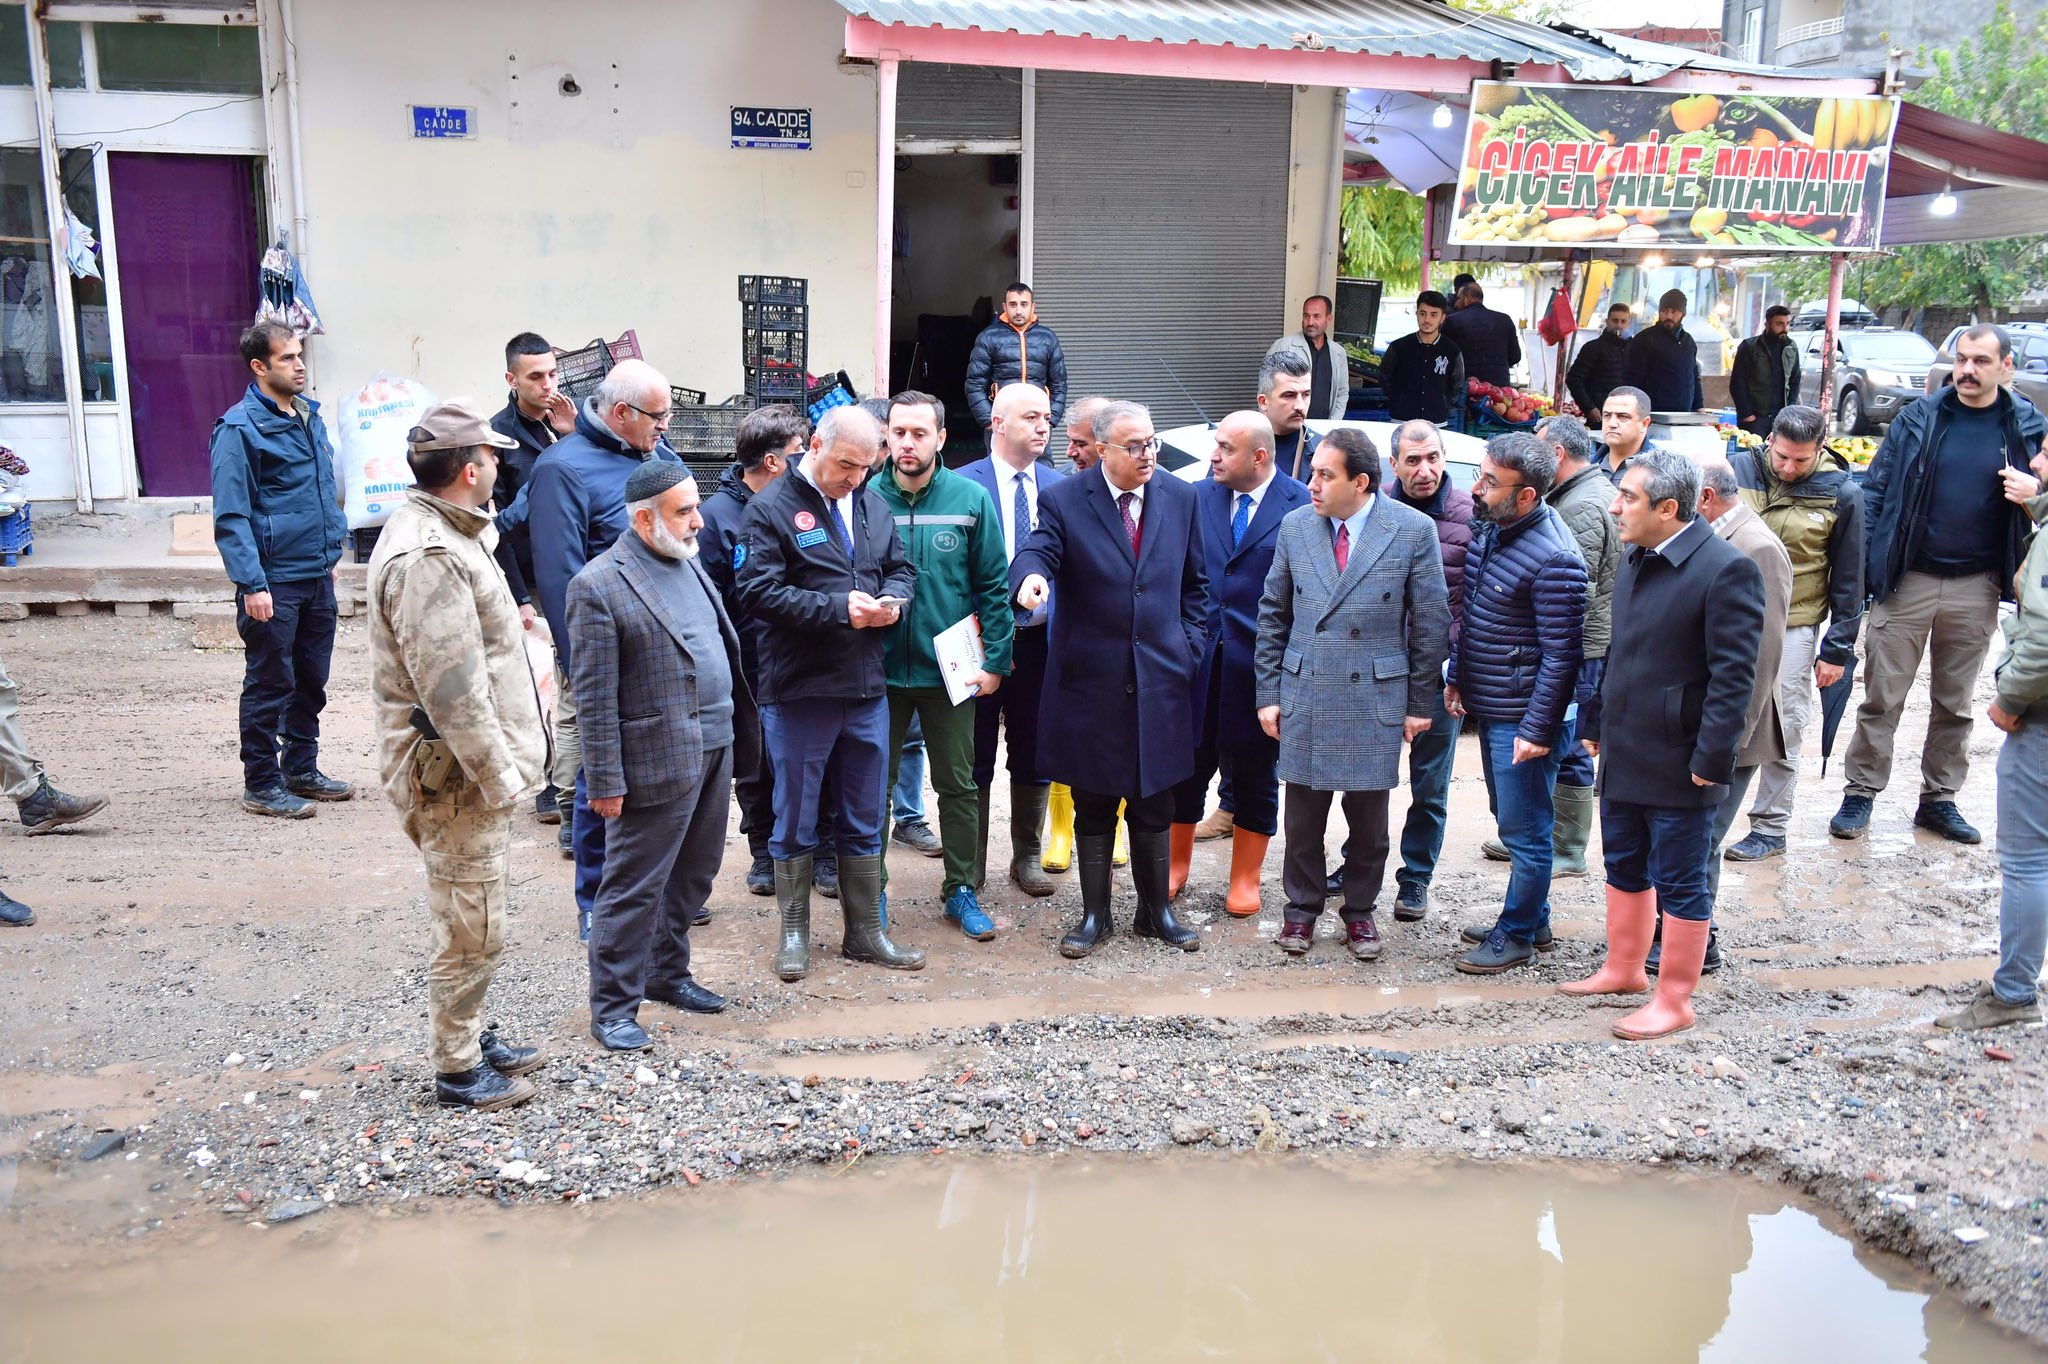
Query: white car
1184, 451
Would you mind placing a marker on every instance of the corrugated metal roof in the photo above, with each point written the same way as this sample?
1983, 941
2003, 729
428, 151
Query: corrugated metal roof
1390, 28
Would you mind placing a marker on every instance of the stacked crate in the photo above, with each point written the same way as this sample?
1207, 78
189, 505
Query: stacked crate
775, 337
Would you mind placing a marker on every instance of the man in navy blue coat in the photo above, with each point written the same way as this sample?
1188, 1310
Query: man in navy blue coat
1019, 432
1242, 504
1124, 550
574, 506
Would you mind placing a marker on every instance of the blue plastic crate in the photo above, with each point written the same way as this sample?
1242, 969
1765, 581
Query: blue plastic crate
17, 537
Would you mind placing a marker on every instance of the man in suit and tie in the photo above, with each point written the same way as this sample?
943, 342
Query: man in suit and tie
1242, 506
1354, 626
664, 710
1016, 477
1666, 724
1118, 704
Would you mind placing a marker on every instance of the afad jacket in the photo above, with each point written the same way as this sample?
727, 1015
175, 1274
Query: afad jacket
276, 506
793, 574
954, 542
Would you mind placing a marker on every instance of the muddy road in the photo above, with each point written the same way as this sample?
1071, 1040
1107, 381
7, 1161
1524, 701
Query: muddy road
241, 1002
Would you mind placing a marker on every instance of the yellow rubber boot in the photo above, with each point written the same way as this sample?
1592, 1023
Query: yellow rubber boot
1059, 829
1121, 856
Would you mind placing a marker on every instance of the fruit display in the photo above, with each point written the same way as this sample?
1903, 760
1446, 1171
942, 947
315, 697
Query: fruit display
1508, 404
1855, 449
1743, 440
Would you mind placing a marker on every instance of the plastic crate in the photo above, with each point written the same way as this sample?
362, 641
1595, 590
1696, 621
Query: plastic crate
363, 543
627, 347
762, 348
773, 384
788, 317
774, 289
579, 372
834, 391
706, 429
685, 397
17, 537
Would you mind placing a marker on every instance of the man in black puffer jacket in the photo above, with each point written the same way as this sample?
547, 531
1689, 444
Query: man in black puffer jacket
1016, 348
1513, 668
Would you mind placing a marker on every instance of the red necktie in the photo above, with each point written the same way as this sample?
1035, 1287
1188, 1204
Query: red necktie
1123, 505
1343, 545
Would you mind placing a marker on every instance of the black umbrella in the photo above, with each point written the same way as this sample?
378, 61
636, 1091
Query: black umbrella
1834, 700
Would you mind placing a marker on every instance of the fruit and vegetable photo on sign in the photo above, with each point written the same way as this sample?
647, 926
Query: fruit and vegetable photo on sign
1568, 165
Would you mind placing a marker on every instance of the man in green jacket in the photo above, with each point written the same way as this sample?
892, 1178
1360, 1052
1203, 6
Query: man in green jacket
2021, 710
950, 532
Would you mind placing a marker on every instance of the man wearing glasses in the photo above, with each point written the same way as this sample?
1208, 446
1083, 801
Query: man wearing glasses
576, 510
1116, 718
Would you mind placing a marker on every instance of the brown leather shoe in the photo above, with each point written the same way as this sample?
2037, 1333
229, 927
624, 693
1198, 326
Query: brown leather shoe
1215, 826
1362, 936
1296, 935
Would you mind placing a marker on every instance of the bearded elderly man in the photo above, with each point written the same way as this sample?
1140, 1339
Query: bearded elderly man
665, 711
462, 738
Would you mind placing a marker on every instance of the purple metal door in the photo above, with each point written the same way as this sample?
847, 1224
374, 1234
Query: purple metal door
185, 231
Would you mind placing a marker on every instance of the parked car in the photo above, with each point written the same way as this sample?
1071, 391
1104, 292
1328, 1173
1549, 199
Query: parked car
2029, 361
1813, 317
1878, 370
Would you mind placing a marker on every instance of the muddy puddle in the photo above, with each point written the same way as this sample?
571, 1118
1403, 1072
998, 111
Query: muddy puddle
1069, 1259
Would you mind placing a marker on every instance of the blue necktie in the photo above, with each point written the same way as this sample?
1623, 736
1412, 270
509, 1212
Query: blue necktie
1242, 519
845, 535
1020, 516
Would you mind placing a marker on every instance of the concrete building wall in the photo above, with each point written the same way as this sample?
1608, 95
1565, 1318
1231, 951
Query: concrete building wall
578, 216
1312, 200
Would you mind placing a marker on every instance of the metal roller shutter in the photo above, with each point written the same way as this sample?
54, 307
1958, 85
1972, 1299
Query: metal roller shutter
936, 102
1161, 235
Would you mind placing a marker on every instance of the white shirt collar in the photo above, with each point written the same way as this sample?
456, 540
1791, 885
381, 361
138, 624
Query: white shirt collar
1665, 543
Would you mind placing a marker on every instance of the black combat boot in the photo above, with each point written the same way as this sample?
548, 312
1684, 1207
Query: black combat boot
507, 1060
482, 1089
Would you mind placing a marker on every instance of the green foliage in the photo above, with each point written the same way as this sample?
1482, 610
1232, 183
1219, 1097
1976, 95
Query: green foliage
1532, 11
1999, 78
1381, 235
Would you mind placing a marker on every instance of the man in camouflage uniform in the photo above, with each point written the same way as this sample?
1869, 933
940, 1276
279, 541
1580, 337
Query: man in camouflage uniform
462, 736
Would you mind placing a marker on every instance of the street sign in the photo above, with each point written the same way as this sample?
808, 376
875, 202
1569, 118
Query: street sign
443, 120
786, 128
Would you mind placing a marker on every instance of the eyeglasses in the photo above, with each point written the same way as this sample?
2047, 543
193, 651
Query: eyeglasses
658, 418
1137, 449
1486, 482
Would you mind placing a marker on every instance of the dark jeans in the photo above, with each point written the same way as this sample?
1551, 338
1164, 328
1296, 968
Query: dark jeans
1014, 708
586, 844
1366, 845
1430, 760
1248, 778
755, 788
1661, 846
1578, 768
1095, 812
807, 738
284, 679
1523, 794
660, 861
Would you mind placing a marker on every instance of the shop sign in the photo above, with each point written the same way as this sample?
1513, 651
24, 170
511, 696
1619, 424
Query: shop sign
443, 120
1562, 165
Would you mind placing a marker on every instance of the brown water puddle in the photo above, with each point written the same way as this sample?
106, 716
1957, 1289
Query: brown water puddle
1077, 1258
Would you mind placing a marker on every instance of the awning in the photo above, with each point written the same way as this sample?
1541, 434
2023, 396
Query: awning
1413, 45
1999, 181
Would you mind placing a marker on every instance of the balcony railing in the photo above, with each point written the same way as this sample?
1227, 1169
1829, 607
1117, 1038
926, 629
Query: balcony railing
1819, 29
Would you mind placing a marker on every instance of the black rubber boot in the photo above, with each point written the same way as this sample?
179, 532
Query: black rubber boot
1151, 873
1092, 853
1027, 815
482, 1089
860, 900
793, 898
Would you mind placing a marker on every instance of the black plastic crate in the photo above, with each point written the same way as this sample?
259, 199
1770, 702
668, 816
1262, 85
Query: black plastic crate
774, 289
762, 347
706, 429
771, 384
579, 372
788, 317
685, 397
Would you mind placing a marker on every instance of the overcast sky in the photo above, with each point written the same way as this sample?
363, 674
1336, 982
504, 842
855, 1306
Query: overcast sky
1627, 14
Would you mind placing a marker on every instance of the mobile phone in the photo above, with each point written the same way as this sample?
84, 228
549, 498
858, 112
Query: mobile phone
898, 602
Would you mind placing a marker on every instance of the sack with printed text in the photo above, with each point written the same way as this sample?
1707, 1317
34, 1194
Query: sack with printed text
370, 458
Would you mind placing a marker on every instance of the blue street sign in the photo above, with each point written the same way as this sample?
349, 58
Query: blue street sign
790, 128
441, 120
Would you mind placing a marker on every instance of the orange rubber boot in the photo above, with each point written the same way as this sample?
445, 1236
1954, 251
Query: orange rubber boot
1631, 923
1247, 855
1180, 856
1678, 972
